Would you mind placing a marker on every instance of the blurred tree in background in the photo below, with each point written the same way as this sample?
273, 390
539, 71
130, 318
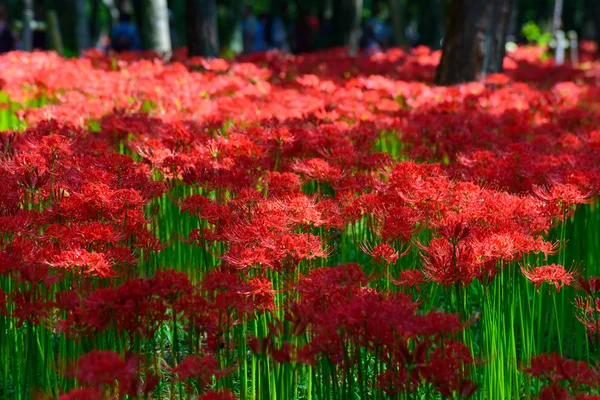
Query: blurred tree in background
215, 27
475, 40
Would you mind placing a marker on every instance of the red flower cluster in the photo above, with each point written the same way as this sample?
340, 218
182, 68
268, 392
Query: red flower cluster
563, 378
346, 319
186, 222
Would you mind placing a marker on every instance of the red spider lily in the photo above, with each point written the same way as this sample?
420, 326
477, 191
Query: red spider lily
83, 394
284, 353
284, 183
555, 368
454, 231
591, 286
346, 313
564, 377
92, 263
318, 170
99, 368
201, 368
553, 273
204, 208
227, 291
448, 264
383, 253
443, 369
30, 306
223, 394
135, 306
408, 278
563, 198
498, 164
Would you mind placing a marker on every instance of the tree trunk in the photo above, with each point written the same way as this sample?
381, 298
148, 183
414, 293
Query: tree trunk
474, 44
83, 34
157, 36
113, 10
557, 16
431, 23
54, 33
398, 19
346, 23
230, 34
140, 19
596, 12
94, 26
27, 22
201, 28
237, 38
513, 25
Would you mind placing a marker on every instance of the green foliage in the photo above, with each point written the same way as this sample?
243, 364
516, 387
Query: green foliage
533, 33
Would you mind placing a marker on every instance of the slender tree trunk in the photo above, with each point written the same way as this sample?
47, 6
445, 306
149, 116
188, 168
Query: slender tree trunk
83, 34
398, 19
431, 23
157, 36
474, 44
201, 28
557, 16
113, 10
346, 23
94, 27
513, 24
596, 12
230, 34
140, 20
54, 33
237, 38
27, 22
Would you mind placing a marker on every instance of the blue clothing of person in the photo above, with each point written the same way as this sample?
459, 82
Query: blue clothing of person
279, 35
381, 31
260, 43
125, 37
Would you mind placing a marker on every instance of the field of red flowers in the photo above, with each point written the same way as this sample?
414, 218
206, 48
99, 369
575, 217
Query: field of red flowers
298, 227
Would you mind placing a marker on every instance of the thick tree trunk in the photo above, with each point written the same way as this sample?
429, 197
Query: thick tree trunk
83, 34
27, 22
201, 28
346, 23
398, 19
474, 44
156, 32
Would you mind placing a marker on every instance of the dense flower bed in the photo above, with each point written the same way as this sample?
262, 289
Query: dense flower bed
286, 227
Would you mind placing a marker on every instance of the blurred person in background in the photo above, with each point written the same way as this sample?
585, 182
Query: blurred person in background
276, 30
7, 39
254, 31
260, 42
368, 41
249, 26
380, 28
125, 35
